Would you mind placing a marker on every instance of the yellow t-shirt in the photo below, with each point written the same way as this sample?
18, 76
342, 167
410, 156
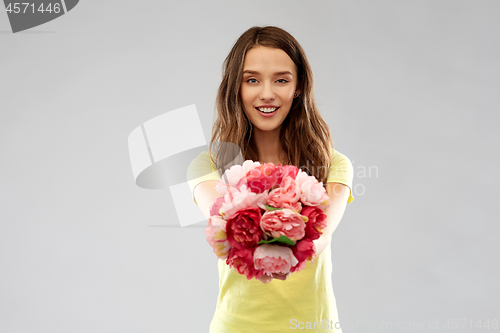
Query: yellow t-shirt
305, 300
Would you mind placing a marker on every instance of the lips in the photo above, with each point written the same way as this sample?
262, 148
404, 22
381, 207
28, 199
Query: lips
267, 107
267, 115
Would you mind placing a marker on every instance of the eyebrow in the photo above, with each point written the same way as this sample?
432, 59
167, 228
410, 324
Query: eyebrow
277, 73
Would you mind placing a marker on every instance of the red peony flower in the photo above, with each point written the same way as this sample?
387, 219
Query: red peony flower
303, 250
317, 221
243, 228
242, 261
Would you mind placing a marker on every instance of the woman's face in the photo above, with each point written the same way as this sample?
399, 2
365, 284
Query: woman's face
269, 83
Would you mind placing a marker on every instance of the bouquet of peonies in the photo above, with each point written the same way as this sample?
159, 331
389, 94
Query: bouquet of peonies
267, 218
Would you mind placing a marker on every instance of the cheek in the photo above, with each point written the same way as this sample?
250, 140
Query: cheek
288, 94
289, 98
244, 95
245, 106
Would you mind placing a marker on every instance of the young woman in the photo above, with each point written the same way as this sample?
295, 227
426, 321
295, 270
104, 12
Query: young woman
266, 108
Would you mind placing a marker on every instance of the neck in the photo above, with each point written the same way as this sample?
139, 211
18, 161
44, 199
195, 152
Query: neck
269, 146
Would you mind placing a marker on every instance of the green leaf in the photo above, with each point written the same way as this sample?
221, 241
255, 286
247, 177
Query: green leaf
272, 208
281, 239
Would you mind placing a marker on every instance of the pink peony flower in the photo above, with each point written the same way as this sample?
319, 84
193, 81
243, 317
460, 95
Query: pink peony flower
221, 249
216, 229
238, 199
290, 171
312, 192
317, 220
303, 250
274, 259
242, 260
214, 209
235, 176
262, 178
283, 222
285, 171
216, 236
243, 229
286, 196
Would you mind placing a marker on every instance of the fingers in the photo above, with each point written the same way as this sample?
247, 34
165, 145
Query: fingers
266, 278
281, 276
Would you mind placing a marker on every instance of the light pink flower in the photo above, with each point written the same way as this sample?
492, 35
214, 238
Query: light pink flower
235, 176
216, 229
283, 222
274, 259
221, 249
217, 237
237, 199
217, 204
312, 192
286, 196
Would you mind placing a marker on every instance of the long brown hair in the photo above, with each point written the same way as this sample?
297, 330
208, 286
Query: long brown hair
304, 135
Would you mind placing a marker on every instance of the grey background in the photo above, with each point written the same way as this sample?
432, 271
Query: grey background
409, 88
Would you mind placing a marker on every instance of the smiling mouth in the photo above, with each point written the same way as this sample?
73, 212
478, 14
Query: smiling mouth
267, 110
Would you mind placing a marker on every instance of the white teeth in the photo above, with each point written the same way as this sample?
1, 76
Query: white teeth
267, 110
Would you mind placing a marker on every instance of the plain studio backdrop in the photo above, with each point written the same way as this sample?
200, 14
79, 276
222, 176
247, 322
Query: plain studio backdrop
408, 88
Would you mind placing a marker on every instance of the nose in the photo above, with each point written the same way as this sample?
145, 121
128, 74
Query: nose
267, 92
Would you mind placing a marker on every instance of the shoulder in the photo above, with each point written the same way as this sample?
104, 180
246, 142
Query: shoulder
338, 157
202, 161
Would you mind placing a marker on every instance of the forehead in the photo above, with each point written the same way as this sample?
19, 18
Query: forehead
262, 58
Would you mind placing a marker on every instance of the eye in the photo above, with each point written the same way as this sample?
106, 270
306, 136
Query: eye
284, 81
251, 79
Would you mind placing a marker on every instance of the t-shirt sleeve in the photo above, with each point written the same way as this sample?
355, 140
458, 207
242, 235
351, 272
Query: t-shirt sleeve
341, 171
199, 170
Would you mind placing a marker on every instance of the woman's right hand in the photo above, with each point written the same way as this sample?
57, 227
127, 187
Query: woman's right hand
281, 276
266, 278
